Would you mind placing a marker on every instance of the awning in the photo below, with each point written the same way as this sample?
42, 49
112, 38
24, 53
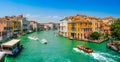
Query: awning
11, 43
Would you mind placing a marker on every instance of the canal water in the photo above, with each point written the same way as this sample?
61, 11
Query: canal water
61, 49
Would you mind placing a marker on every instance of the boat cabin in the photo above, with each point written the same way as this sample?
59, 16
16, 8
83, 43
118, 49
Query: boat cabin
11, 47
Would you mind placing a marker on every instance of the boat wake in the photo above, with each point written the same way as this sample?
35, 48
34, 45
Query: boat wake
103, 57
107, 54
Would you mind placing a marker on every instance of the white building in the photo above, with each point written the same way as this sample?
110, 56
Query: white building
64, 26
50, 26
24, 24
9, 29
33, 25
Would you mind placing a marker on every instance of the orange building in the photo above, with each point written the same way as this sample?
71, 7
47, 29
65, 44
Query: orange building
106, 22
105, 28
5, 28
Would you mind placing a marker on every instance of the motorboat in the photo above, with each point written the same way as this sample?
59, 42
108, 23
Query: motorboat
71, 38
33, 38
85, 49
44, 41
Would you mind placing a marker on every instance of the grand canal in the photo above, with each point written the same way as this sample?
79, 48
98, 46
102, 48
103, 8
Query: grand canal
60, 49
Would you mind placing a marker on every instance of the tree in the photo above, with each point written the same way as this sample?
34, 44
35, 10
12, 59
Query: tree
95, 35
106, 35
115, 29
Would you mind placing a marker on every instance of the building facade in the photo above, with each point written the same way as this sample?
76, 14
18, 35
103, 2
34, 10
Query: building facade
33, 25
5, 29
64, 26
106, 22
81, 26
24, 24
40, 27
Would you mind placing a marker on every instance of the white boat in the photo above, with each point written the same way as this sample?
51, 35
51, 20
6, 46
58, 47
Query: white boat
44, 41
33, 38
71, 38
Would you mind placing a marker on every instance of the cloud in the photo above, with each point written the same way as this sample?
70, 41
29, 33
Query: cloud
41, 18
53, 16
32, 16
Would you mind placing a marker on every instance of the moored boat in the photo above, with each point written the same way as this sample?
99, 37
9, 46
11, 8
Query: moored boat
71, 38
12, 47
85, 49
113, 46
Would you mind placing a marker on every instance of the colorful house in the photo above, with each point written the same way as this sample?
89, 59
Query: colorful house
80, 27
5, 29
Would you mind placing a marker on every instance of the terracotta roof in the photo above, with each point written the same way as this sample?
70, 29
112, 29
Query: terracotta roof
110, 17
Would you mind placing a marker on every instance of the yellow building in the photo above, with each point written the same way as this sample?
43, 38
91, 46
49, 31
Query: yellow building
82, 26
16, 25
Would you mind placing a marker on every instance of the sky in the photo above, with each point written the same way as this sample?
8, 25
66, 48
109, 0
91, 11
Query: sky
55, 10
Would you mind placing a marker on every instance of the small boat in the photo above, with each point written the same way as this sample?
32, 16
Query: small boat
112, 45
71, 38
12, 47
44, 41
85, 49
33, 38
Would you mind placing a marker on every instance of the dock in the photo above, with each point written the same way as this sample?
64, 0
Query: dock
113, 46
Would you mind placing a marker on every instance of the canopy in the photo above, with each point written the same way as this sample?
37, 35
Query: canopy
11, 43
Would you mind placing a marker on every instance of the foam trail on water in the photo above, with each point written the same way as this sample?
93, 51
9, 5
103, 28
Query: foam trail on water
107, 54
98, 56
76, 49
101, 57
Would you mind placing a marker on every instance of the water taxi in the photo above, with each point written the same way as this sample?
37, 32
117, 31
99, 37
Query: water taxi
12, 47
2, 56
85, 49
